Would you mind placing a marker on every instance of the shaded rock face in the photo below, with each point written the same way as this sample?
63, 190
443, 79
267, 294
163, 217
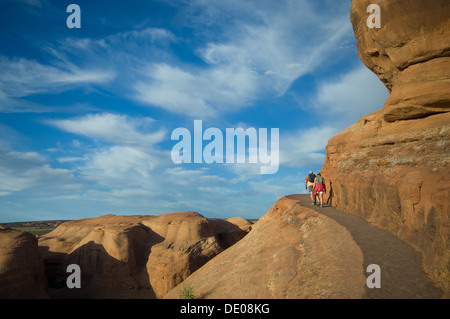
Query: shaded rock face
292, 252
410, 54
111, 251
392, 166
189, 242
231, 230
21, 268
128, 256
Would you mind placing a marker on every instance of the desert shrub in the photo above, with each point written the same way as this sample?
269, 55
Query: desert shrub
187, 292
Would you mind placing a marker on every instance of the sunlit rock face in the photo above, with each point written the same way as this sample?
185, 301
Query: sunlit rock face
392, 166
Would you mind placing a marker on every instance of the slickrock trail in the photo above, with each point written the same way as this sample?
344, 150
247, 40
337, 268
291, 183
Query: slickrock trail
402, 274
300, 251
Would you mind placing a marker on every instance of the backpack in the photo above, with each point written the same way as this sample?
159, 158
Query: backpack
311, 177
319, 179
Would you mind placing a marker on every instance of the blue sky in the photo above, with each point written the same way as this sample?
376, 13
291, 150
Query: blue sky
86, 115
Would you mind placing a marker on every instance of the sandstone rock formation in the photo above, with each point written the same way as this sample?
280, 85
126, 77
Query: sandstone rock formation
292, 252
21, 268
410, 54
392, 166
128, 256
190, 240
231, 230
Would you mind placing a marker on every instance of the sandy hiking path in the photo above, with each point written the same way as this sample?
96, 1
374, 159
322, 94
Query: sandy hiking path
402, 273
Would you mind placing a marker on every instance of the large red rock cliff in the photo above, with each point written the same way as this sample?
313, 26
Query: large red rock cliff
392, 166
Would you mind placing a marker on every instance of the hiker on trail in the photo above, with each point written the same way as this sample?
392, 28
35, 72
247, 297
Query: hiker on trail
319, 189
309, 183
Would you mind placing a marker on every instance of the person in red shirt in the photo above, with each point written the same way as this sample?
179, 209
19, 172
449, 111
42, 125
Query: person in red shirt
319, 189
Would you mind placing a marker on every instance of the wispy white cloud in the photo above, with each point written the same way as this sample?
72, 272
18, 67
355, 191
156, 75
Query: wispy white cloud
125, 153
23, 77
337, 103
305, 147
119, 129
259, 53
257, 50
126, 174
23, 170
196, 93
121, 166
116, 45
354, 94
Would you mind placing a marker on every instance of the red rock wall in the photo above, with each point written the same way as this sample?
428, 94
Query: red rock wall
392, 166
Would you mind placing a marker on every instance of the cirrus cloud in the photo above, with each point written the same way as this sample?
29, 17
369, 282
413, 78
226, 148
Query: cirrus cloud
120, 129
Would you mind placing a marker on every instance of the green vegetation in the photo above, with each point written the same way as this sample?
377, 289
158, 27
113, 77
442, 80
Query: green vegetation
382, 163
187, 292
35, 228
